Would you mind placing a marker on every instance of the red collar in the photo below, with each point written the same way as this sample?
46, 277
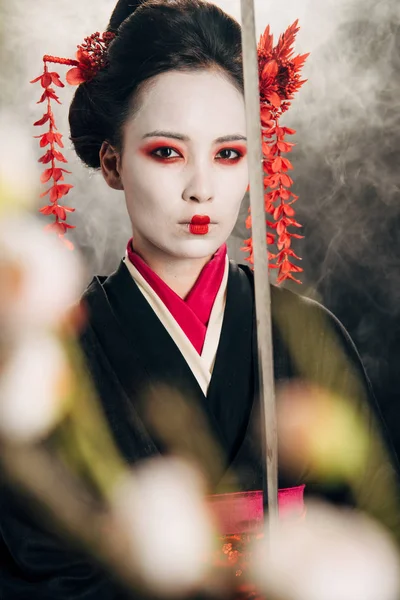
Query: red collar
193, 313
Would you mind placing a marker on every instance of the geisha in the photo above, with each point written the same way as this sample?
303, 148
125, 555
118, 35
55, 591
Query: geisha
163, 117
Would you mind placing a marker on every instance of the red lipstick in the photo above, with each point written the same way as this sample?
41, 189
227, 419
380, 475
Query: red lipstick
199, 224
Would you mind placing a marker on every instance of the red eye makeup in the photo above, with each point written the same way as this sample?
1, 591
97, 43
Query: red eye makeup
162, 151
239, 151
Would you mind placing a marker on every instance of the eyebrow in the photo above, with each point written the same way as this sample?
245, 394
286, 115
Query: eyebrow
184, 138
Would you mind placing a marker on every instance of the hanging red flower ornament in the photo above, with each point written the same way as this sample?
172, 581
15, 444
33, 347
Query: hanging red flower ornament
90, 58
279, 76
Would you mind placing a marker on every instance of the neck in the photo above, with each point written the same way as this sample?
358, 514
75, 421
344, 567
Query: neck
180, 274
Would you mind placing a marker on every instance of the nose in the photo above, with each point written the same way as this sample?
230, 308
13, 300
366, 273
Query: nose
199, 187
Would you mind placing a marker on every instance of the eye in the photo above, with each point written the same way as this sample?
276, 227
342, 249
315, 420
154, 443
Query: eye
165, 152
229, 154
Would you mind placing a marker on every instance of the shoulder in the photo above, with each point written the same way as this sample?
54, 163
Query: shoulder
316, 340
315, 330
296, 306
292, 308
95, 299
99, 326
93, 291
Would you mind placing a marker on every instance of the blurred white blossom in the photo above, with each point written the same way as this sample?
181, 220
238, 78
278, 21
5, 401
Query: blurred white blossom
331, 555
32, 387
47, 276
19, 169
170, 531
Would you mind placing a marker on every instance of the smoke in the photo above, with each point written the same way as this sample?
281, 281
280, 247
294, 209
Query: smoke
344, 115
347, 119
347, 175
346, 160
47, 27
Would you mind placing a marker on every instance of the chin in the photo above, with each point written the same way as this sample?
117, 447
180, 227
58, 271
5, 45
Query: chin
198, 247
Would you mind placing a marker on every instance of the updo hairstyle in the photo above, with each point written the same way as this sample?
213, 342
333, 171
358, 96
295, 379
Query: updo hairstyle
152, 37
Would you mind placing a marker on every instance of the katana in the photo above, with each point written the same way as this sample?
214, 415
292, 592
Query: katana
261, 272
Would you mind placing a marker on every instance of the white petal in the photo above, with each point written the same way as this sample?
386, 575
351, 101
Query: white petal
333, 554
51, 275
19, 177
169, 525
29, 388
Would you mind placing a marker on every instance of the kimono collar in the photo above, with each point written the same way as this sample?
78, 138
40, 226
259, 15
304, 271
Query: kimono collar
193, 313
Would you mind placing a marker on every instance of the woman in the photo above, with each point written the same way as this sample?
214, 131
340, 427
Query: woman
164, 120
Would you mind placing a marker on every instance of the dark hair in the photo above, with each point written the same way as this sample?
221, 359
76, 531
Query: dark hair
153, 36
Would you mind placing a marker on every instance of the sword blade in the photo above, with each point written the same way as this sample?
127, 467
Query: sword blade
261, 278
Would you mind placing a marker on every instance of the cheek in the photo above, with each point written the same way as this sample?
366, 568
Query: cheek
145, 182
233, 187
237, 176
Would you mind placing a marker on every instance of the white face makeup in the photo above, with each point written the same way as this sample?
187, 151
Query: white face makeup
184, 154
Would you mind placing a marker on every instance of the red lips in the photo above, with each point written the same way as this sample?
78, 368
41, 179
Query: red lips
199, 224
200, 220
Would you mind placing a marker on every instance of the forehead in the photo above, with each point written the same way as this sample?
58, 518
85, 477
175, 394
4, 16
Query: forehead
200, 103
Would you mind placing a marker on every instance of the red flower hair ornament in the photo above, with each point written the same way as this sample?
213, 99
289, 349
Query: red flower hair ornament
90, 58
279, 74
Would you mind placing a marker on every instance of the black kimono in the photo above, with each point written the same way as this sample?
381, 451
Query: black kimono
130, 354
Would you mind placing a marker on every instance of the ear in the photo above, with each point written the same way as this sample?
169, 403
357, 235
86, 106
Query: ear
110, 162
